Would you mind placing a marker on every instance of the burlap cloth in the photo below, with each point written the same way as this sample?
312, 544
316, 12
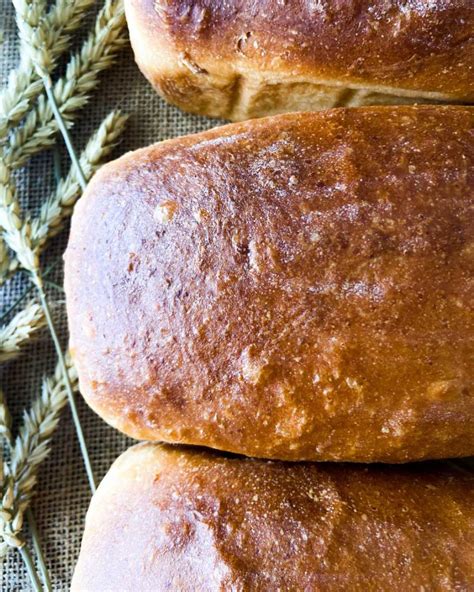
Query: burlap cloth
63, 494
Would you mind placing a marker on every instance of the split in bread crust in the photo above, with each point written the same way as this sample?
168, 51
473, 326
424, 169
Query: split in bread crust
245, 58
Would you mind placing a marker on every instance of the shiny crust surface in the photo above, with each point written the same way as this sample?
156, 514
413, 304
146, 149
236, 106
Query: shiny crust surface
245, 58
172, 519
297, 287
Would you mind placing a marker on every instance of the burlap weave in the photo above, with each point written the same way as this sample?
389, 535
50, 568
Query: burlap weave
63, 493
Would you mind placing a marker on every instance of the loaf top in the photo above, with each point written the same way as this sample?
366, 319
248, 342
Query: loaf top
297, 287
176, 519
412, 45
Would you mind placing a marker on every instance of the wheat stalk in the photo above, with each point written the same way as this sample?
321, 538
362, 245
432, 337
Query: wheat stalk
24, 83
6, 487
39, 423
29, 450
59, 205
19, 330
71, 92
16, 232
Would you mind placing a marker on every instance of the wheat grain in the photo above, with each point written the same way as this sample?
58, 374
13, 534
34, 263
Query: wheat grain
5, 423
60, 203
19, 330
28, 16
30, 448
71, 91
7, 266
6, 435
15, 231
24, 83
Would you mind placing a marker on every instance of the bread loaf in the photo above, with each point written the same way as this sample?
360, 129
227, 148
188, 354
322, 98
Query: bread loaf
244, 58
172, 519
297, 287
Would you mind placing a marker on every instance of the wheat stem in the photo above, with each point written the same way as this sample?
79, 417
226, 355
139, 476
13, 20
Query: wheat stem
14, 304
30, 568
67, 383
48, 86
35, 535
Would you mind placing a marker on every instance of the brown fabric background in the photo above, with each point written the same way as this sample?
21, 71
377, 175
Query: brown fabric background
63, 494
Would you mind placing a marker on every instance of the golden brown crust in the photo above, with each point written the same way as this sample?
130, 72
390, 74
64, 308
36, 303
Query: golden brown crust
297, 287
175, 519
247, 58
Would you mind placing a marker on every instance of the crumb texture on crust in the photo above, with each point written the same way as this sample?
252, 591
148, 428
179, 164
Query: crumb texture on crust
296, 287
246, 58
176, 519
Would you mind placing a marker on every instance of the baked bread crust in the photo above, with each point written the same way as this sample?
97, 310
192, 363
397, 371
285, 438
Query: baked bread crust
296, 287
175, 519
244, 58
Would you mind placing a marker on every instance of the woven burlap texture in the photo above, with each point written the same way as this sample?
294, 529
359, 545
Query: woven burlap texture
63, 494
